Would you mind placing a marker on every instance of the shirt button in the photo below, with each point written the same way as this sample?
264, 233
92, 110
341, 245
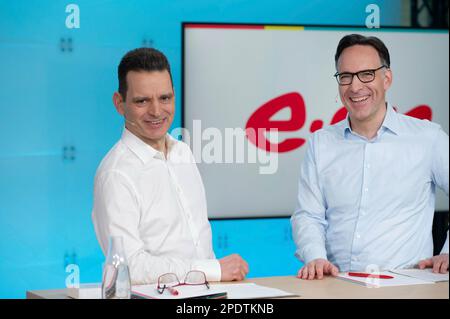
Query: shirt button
358, 236
368, 165
354, 259
366, 189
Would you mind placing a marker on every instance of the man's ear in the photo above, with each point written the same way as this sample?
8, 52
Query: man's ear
119, 103
387, 79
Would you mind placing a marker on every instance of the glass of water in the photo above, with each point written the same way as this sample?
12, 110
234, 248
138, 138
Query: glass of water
116, 283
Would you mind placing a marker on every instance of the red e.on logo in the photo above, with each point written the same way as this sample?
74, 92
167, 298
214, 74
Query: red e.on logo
260, 122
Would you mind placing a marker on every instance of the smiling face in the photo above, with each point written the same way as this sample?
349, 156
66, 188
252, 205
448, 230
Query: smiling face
149, 106
365, 102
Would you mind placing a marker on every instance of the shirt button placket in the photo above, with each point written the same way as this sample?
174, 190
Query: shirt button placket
357, 246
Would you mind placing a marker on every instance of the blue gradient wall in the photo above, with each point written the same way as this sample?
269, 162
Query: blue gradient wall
57, 121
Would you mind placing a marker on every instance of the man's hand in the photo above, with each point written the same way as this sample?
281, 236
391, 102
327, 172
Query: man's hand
317, 268
439, 263
233, 267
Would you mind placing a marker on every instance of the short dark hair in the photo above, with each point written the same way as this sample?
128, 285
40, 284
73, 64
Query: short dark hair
141, 59
357, 39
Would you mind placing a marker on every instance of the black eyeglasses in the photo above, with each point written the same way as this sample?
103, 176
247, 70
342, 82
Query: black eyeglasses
170, 280
365, 76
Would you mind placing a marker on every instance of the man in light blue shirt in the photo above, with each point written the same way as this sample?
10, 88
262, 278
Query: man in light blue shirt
366, 194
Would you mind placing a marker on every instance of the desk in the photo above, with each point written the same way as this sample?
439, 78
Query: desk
326, 288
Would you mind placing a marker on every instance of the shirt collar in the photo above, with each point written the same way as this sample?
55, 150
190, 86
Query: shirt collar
142, 150
390, 122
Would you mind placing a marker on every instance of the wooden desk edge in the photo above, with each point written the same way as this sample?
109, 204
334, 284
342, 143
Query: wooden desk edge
306, 289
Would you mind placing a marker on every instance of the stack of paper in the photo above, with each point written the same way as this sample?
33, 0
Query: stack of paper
184, 292
86, 291
396, 277
373, 282
251, 291
425, 274
232, 291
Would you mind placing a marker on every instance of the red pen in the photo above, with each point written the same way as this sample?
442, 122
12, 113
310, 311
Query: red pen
172, 291
362, 274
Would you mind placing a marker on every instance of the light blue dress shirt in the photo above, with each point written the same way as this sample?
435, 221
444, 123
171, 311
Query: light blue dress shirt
370, 203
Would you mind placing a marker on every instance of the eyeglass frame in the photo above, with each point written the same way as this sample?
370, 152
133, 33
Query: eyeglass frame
161, 289
337, 74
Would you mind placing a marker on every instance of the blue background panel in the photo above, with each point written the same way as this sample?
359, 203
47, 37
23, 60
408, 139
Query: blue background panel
57, 122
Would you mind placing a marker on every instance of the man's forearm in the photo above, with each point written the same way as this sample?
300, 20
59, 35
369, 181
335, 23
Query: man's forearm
309, 237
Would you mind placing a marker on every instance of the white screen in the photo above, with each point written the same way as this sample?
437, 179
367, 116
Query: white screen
231, 72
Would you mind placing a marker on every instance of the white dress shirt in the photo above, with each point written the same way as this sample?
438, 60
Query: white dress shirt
370, 203
158, 206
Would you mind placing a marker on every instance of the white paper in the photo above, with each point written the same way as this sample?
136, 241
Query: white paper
251, 291
185, 291
398, 280
424, 274
86, 291
234, 291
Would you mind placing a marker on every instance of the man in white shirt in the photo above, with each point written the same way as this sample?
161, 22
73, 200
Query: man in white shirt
148, 189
